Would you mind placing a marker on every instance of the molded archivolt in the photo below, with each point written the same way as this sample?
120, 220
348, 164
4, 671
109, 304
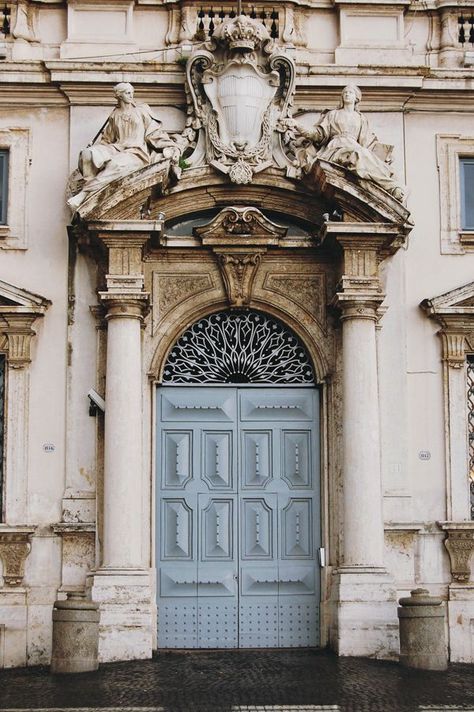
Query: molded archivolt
169, 334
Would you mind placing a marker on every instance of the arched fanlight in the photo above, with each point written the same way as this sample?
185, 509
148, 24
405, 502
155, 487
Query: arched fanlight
239, 347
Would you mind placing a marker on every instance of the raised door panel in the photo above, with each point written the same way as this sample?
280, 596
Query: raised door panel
198, 405
282, 405
217, 572
176, 458
256, 458
217, 459
296, 464
258, 604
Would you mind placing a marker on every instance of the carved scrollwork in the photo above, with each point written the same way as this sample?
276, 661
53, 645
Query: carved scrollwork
238, 273
460, 546
14, 548
238, 97
237, 226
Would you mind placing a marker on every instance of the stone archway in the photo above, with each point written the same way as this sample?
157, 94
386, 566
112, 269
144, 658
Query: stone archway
241, 258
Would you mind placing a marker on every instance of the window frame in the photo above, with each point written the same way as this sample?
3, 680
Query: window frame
450, 150
4, 176
13, 233
465, 161
3, 398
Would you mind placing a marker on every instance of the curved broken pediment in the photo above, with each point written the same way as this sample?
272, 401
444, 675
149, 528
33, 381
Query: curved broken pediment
328, 188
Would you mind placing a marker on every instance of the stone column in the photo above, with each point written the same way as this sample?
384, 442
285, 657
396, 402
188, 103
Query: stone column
19, 334
123, 433
456, 422
122, 583
363, 517
363, 595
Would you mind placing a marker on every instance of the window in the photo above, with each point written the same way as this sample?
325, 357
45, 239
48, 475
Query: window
466, 174
14, 174
3, 186
470, 426
455, 158
2, 426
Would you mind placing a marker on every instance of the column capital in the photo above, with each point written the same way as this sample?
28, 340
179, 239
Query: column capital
381, 238
125, 305
454, 348
125, 240
358, 307
18, 331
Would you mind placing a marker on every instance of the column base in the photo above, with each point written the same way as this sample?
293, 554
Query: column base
460, 621
126, 619
364, 613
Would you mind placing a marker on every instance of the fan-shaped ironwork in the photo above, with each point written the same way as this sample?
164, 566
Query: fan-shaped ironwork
238, 347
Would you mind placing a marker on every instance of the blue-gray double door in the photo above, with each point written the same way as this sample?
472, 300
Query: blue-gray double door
238, 524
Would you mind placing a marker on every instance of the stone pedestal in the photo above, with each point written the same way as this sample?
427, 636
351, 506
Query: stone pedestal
126, 614
461, 622
75, 635
423, 631
364, 619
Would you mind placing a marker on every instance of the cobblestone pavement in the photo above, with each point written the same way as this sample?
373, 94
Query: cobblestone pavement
243, 681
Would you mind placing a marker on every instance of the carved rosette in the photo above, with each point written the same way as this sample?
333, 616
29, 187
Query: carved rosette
14, 548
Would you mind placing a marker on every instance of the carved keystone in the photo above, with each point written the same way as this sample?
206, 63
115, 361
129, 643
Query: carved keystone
460, 545
14, 548
238, 270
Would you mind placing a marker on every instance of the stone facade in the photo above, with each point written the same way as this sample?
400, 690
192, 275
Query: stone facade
312, 240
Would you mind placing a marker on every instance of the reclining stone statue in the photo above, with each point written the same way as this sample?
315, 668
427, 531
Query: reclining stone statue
130, 140
343, 136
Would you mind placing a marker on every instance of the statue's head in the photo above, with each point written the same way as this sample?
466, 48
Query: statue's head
124, 91
348, 89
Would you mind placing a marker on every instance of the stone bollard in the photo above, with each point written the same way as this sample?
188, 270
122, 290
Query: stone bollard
422, 631
75, 635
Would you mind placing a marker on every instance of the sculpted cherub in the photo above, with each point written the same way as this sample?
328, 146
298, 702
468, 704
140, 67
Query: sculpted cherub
343, 136
131, 139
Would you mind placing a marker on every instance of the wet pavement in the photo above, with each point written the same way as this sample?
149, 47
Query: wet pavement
243, 681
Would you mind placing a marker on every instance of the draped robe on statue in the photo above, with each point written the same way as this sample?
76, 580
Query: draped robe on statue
344, 137
128, 143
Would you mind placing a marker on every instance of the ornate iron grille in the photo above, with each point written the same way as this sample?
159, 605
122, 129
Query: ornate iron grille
2, 426
209, 17
470, 426
238, 347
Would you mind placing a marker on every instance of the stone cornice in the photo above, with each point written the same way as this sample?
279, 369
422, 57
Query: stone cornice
59, 82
